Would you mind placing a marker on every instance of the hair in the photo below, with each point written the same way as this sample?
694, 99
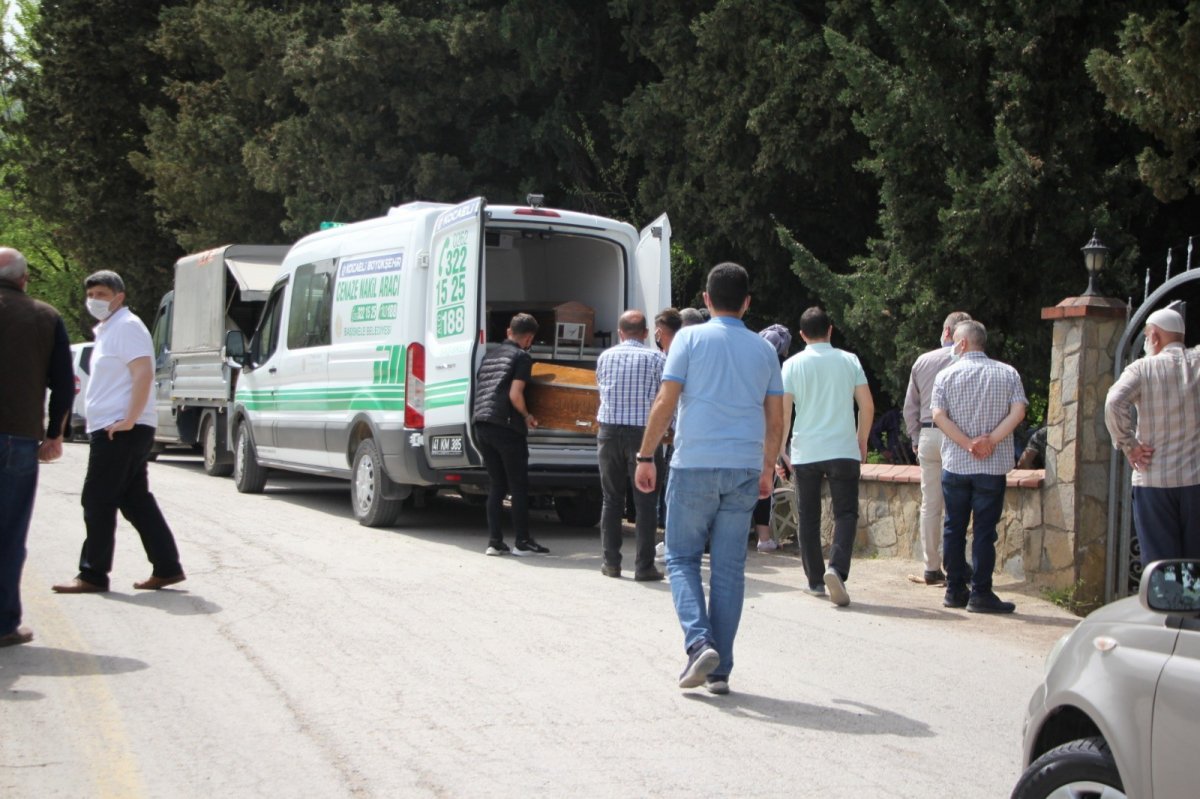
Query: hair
814, 323
728, 286
690, 316
974, 333
522, 324
954, 319
632, 323
670, 319
12, 264
106, 278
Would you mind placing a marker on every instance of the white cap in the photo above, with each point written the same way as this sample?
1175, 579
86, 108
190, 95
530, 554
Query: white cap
1168, 320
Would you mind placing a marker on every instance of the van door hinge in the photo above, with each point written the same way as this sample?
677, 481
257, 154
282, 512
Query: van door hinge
423, 259
656, 231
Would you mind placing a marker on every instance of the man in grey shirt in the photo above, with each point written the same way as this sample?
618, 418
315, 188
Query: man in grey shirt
927, 443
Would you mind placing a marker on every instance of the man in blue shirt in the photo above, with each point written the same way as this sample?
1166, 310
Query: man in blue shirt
724, 380
627, 376
826, 383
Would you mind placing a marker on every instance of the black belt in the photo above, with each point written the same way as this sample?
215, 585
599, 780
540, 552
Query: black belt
926, 424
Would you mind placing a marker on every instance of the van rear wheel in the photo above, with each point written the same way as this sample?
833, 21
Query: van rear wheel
368, 484
217, 462
248, 476
581, 510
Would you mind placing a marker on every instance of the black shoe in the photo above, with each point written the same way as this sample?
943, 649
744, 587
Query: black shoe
610, 571
529, 547
989, 603
935, 578
957, 597
497, 548
648, 575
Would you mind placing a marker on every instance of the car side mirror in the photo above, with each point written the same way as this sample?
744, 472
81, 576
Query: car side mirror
235, 349
1171, 586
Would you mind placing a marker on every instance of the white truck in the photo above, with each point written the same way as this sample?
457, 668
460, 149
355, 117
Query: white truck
215, 291
363, 363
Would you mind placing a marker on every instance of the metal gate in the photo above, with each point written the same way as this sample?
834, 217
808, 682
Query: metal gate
1124, 559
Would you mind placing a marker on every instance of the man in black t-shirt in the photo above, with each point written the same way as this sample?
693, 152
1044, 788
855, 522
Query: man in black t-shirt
502, 422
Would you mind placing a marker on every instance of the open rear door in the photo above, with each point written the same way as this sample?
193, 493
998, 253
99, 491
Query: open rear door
653, 260
452, 330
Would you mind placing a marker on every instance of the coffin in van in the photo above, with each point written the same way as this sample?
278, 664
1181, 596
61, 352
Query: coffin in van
563, 398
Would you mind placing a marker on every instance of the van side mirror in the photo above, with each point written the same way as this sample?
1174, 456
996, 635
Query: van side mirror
235, 349
1171, 586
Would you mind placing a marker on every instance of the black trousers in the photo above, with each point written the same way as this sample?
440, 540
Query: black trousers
506, 457
617, 452
116, 480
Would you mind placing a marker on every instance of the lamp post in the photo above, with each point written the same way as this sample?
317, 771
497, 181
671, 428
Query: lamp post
1094, 256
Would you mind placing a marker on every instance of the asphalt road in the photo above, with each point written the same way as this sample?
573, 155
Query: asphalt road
307, 656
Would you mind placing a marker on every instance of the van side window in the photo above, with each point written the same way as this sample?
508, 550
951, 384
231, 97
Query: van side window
312, 304
267, 337
162, 331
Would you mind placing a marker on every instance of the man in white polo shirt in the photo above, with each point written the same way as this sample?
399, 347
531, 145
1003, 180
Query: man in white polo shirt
121, 421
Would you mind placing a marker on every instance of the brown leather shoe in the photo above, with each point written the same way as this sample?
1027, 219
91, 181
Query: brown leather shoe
153, 583
78, 586
21, 635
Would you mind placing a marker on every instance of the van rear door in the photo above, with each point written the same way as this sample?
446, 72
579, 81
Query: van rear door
452, 331
652, 286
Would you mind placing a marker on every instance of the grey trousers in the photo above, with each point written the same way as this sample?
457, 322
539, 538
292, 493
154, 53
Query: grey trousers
617, 449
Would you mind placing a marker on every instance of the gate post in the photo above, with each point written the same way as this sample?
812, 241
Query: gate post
1071, 546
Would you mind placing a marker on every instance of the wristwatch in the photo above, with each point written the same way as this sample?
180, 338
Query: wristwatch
640, 458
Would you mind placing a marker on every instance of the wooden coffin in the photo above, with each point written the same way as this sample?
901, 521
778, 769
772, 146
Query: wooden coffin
563, 398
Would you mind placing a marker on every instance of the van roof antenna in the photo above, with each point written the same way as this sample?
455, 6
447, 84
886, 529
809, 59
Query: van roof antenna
535, 200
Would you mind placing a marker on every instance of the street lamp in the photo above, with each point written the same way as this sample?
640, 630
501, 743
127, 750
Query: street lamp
1094, 256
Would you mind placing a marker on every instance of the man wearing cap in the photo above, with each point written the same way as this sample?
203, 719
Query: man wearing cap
1164, 387
926, 440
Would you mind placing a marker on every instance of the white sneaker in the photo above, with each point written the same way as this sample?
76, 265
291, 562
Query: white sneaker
837, 588
660, 551
770, 545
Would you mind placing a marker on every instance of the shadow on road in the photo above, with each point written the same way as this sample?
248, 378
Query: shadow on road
174, 601
32, 660
867, 720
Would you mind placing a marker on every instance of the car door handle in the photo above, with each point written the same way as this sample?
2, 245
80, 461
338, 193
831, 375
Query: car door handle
272, 370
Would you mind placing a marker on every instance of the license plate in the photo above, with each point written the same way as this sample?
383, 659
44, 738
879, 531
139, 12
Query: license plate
446, 445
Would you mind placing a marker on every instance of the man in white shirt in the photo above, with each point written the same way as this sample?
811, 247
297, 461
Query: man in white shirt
121, 421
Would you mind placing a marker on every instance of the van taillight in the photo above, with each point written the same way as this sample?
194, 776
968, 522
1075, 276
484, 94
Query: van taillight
534, 212
76, 384
414, 387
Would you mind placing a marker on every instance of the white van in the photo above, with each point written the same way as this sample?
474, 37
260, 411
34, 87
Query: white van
363, 363
81, 360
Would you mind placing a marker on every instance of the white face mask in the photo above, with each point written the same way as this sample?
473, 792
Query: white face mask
98, 308
955, 354
1147, 347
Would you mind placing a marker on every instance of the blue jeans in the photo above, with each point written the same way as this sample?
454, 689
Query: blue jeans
977, 499
18, 483
709, 506
1167, 522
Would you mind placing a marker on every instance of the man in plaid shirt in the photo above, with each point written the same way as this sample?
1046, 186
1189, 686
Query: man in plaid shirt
628, 376
977, 403
1164, 387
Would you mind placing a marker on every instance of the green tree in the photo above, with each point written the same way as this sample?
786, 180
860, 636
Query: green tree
1153, 81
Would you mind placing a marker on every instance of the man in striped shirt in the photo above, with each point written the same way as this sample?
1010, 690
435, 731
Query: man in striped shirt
976, 403
628, 376
1164, 387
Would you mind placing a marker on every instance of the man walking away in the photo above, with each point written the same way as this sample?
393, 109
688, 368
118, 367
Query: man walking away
34, 353
1164, 387
724, 381
927, 444
977, 403
628, 376
502, 423
121, 419
825, 384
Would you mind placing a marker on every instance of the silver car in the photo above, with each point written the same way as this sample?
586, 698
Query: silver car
1119, 711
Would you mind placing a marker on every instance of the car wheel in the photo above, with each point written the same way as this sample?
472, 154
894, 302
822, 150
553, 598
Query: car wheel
216, 457
1082, 769
367, 485
248, 475
581, 510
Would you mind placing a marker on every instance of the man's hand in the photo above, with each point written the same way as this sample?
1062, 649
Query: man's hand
50, 450
645, 477
531, 421
766, 482
1139, 456
862, 452
118, 427
981, 447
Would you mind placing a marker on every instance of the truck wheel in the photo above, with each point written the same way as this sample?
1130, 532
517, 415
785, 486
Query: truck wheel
580, 510
367, 485
1080, 768
248, 476
217, 462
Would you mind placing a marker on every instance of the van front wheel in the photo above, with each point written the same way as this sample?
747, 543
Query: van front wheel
248, 476
367, 486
